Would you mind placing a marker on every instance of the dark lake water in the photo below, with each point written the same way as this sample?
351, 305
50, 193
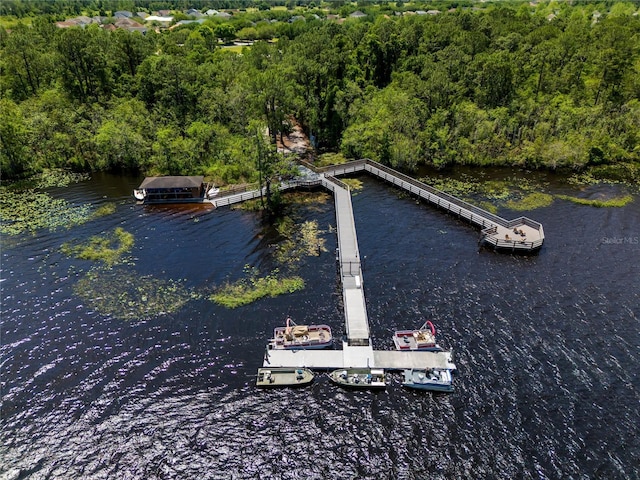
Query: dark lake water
547, 349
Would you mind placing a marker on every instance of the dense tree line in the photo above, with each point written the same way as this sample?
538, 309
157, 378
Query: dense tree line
547, 86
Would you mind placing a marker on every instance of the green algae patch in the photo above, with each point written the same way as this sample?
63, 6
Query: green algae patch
122, 294
29, 211
531, 202
108, 248
600, 203
255, 287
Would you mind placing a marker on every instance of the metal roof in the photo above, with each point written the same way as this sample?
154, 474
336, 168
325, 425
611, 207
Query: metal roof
172, 182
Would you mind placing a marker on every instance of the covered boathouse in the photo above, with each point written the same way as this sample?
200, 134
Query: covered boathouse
172, 189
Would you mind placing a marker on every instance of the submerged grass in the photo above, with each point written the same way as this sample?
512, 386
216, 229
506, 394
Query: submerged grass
601, 203
108, 249
299, 240
248, 290
104, 210
120, 294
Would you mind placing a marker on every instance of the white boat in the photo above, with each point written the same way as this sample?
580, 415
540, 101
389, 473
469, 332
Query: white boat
423, 339
300, 337
284, 377
433, 379
213, 191
359, 378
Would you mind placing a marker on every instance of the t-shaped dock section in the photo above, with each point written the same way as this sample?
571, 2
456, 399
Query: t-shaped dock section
357, 350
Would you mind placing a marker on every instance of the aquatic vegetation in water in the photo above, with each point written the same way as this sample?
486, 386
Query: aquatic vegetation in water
49, 177
104, 210
486, 205
29, 211
354, 183
308, 199
619, 173
122, 294
490, 189
108, 249
598, 202
300, 240
254, 287
531, 202
58, 177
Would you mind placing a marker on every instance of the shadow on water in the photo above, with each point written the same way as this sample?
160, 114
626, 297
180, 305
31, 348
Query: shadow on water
546, 348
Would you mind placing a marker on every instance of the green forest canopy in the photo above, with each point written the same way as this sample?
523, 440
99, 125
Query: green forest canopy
546, 86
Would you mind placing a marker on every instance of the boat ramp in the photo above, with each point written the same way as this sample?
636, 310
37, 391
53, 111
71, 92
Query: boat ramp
521, 234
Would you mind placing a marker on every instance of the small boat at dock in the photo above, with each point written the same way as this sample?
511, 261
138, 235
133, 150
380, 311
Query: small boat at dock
300, 337
433, 379
361, 378
284, 377
423, 339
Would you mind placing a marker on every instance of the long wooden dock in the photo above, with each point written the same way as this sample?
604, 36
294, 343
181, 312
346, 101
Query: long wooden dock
357, 350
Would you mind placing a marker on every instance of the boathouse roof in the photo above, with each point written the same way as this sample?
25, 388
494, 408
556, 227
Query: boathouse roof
172, 182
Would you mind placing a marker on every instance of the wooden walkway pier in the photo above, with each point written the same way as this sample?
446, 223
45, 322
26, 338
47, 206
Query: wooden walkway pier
357, 350
495, 230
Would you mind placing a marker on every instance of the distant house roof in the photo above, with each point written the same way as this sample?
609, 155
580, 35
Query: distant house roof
66, 24
123, 13
164, 13
126, 22
211, 11
193, 12
172, 182
223, 15
130, 25
83, 20
142, 14
358, 14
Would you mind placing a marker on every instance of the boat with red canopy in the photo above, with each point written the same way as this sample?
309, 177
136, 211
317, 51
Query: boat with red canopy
423, 339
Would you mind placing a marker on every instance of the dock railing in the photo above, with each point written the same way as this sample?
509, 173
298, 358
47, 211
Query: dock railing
483, 218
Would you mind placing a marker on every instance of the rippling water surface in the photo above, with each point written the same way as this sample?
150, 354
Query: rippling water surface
547, 349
